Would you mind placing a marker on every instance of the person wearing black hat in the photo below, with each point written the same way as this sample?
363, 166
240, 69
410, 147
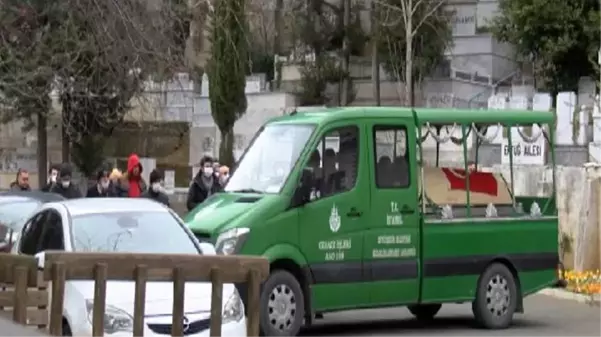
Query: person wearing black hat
102, 187
64, 186
156, 191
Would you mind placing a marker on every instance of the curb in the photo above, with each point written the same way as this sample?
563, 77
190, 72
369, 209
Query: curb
568, 295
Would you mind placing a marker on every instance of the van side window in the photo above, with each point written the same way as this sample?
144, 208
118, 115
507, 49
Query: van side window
391, 156
335, 162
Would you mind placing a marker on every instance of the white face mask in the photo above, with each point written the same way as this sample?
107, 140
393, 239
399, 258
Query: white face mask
208, 171
66, 183
104, 184
52, 177
156, 187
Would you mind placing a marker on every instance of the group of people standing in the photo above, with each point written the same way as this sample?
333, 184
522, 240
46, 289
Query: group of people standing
109, 182
113, 183
209, 180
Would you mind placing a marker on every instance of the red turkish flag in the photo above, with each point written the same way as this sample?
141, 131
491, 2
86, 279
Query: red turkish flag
480, 182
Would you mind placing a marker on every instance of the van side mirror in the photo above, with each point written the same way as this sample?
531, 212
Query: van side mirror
302, 194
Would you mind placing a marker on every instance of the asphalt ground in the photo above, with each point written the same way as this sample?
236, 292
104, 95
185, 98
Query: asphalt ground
543, 316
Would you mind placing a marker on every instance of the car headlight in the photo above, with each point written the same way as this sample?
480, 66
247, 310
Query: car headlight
115, 319
233, 310
231, 241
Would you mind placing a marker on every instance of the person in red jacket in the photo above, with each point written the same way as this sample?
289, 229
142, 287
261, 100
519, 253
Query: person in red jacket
132, 180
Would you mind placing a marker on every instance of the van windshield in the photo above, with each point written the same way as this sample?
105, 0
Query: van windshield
270, 158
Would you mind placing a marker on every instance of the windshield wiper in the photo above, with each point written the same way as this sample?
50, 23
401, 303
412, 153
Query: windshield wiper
248, 190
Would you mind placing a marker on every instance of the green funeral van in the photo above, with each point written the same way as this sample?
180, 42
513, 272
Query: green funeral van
352, 212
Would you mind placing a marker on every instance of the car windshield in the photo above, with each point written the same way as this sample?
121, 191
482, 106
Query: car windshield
14, 214
131, 232
270, 158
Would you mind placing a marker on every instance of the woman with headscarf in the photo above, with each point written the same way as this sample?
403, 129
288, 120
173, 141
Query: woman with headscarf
132, 180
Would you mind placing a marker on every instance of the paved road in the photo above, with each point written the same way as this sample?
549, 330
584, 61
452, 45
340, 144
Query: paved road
543, 315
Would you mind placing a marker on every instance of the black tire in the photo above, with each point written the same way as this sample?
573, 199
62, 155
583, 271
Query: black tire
66, 328
424, 312
496, 283
282, 281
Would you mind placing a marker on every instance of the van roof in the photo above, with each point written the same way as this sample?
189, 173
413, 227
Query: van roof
421, 115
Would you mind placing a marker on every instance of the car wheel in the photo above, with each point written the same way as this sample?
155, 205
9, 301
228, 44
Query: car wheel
496, 298
66, 329
424, 312
282, 305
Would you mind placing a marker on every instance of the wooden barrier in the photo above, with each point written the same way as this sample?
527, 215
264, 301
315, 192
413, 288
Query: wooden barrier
23, 293
142, 268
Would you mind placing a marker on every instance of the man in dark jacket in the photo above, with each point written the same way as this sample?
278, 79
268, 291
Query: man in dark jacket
156, 191
102, 187
22, 182
52, 174
64, 186
204, 184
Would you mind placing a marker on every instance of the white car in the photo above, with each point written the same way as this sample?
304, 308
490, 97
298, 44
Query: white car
126, 226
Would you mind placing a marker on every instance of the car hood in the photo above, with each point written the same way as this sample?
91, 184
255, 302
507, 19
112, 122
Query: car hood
224, 209
159, 296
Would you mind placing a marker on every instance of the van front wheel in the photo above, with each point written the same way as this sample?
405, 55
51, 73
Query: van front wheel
282, 305
496, 298
424, 312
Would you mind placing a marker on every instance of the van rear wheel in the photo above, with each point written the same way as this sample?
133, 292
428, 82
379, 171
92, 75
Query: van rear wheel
496, 298
424, 312
282, 305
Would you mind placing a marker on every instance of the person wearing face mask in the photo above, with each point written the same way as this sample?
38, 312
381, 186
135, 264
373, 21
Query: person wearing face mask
216, 169
156, 191
102, 187
52, 175
64, 186
204, 185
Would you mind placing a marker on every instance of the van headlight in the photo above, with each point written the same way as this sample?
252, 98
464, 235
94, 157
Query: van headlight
233, 310
231, 241
115, 319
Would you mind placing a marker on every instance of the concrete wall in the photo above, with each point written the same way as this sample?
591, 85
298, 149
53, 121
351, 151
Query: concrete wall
577, 202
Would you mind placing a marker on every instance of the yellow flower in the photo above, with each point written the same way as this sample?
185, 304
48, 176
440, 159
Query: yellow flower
586, 282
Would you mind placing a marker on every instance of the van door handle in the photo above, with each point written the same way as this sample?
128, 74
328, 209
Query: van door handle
354, 213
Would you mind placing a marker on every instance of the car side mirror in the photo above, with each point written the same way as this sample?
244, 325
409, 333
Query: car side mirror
302, 194
207, 248
41, 259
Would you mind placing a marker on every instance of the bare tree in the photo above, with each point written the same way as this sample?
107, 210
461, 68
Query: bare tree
422, 24
96, 55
